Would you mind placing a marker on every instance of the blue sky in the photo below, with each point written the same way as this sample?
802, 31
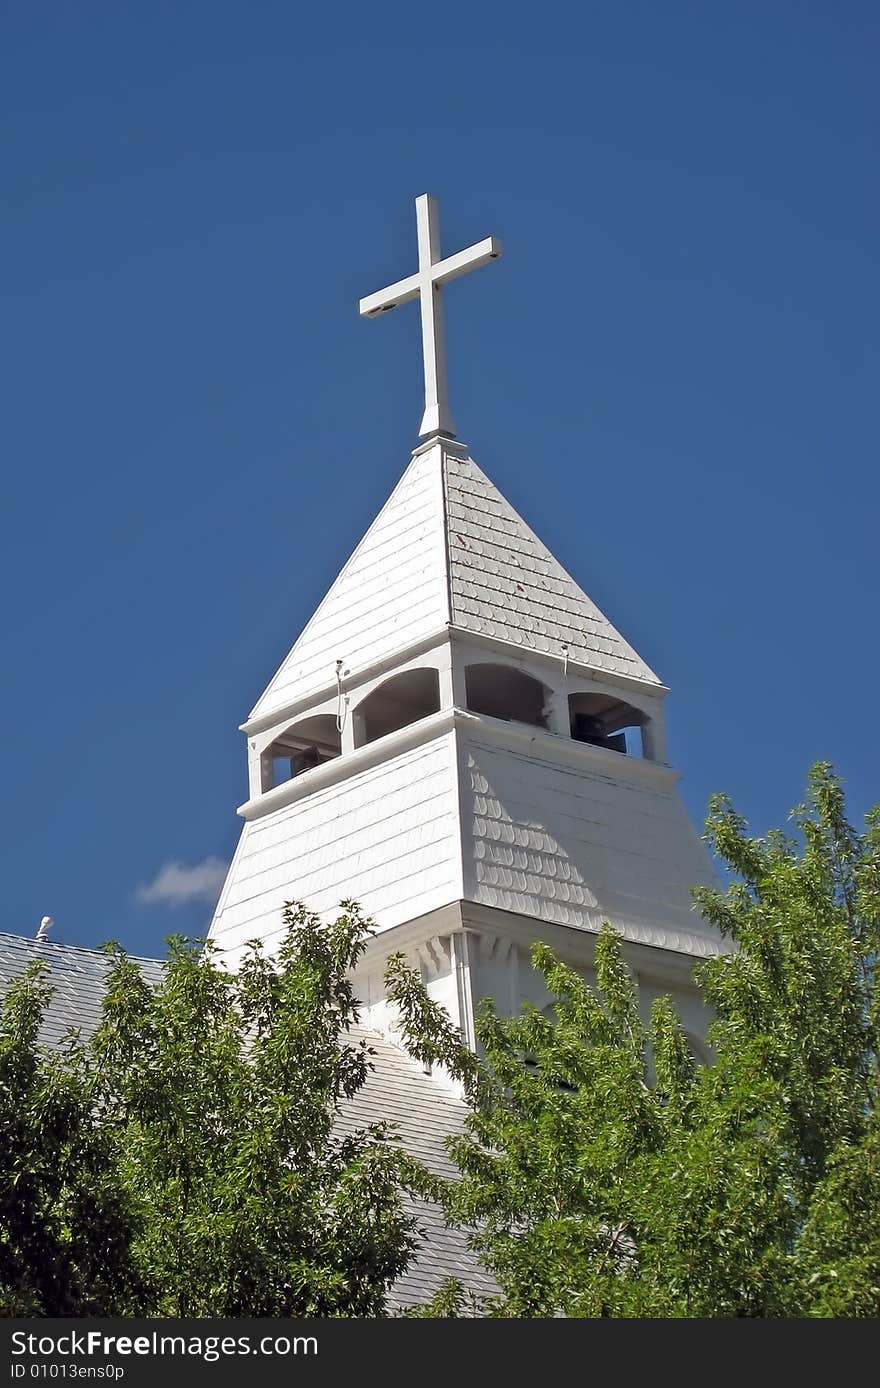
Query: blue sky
671, 374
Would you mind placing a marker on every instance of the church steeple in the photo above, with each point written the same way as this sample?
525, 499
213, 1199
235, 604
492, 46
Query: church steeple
463, 742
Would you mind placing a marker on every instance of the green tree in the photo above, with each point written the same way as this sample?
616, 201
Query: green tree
67, 1217
208, 1107
604, 1172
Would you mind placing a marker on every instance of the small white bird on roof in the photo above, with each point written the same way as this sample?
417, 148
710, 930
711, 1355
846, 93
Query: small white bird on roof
45, 925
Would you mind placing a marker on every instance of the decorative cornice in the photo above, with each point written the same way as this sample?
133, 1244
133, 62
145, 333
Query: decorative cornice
642, 939
433, 955
407, 936
660, 952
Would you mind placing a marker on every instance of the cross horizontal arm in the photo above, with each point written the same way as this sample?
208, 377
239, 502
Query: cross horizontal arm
462, 261
399, 293
441, 273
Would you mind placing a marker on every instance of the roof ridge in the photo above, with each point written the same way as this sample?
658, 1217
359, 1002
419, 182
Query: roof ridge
93, 950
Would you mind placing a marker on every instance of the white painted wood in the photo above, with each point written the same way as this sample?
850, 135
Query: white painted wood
393, 591
388, 835
433, 273
460, 960
447, 547
579, 844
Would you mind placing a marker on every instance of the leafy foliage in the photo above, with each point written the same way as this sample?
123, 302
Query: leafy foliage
188, 1162
67, 1218
604, 1173
189, 1159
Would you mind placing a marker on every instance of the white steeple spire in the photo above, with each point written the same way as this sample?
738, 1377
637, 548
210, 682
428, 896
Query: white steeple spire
460, 740
426, 286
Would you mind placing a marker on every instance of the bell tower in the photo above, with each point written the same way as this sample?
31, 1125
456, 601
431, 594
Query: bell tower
461, 741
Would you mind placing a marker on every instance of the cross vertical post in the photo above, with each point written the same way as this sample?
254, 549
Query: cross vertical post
437, 418
426, 285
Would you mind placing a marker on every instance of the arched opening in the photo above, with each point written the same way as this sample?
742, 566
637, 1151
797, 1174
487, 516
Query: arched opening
500, 691
401, 700
605, 721
301, 747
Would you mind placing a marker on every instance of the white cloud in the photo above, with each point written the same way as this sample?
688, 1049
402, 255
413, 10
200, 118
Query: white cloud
177, 883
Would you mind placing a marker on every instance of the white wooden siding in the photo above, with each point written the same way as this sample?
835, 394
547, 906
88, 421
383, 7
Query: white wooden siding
579, 847
392, 591
387, 837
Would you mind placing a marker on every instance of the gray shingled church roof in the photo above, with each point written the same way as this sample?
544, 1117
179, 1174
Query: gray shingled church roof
77, 976
398, 1090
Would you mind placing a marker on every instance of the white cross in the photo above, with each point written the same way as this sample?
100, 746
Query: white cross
426, 286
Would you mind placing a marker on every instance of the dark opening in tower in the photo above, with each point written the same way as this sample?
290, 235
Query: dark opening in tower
604, 721
500, 691
401, 700
299, 748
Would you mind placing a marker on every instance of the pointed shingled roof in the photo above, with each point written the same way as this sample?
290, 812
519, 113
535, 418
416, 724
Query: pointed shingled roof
505, 583
447, 548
